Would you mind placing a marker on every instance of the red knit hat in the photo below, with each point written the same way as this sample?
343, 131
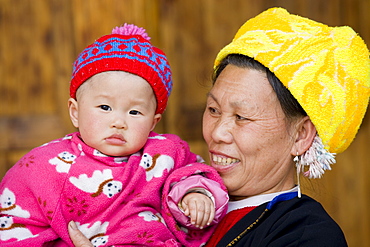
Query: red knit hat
126, 49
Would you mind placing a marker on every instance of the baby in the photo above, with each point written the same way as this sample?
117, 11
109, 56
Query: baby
121, 183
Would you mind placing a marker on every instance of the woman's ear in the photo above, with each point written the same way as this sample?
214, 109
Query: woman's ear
306, 132
73, 111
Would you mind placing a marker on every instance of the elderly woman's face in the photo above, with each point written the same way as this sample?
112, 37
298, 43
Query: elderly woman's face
249, 141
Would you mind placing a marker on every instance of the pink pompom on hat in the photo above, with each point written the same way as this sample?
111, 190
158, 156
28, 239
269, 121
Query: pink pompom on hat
127, 49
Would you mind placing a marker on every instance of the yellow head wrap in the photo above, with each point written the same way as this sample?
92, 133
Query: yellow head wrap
327, 69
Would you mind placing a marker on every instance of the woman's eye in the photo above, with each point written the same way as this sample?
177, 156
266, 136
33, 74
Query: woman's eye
105, 107
238, 117
134, 112
212, 110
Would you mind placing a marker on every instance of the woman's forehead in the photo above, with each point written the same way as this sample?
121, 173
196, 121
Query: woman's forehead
241, 84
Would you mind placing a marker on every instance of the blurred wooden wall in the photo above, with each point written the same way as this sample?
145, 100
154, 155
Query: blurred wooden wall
39, 40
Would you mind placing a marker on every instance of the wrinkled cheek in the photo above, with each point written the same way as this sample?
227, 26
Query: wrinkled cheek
206, 129
230, 184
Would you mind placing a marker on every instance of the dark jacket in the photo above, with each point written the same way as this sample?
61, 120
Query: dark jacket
286, 221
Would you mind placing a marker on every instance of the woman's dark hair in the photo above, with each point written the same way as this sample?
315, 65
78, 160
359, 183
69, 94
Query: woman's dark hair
288, 103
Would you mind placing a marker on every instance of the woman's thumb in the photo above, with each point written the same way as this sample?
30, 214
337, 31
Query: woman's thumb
78, 239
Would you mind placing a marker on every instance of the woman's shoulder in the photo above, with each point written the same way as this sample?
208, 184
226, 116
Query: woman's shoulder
304, 211
308, 220
292, 222
304, 207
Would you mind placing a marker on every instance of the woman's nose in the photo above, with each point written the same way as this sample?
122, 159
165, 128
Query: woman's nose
222, 131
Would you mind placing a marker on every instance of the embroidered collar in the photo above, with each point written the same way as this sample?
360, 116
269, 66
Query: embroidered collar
259, 199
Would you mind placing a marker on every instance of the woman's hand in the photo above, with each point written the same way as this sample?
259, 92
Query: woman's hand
78, 239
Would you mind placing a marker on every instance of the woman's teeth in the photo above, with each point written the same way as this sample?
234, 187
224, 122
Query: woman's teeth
223, 161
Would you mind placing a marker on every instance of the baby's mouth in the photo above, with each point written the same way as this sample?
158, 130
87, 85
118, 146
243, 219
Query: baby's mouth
116, 139
223, 161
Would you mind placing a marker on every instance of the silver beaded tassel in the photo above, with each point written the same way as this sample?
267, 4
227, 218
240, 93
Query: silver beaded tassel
317, 158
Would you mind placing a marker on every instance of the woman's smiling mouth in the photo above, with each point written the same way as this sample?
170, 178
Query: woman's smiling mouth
223, 161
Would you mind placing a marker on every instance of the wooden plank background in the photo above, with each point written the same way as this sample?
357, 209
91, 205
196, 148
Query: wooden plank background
41, 38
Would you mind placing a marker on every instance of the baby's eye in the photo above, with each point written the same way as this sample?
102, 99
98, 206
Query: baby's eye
105, 107
135, 112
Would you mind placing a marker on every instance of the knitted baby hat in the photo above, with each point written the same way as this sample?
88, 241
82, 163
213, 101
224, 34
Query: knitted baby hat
327, 69
126, 49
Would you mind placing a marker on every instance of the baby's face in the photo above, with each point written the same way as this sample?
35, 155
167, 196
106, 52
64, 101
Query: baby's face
115, 111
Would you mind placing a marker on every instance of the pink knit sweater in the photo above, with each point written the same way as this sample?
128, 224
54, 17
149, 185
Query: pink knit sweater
113, 200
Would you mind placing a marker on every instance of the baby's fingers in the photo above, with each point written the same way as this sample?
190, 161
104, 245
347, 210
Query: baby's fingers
201, 212
212, 214
192, 212
206, 214
199, 208
185, 208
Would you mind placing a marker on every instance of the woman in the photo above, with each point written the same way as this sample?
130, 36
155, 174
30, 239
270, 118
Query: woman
288, 94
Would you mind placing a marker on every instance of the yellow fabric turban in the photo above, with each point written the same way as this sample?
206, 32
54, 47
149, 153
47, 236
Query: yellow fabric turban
327, 69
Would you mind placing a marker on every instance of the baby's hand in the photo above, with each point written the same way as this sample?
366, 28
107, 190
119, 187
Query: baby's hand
199, 207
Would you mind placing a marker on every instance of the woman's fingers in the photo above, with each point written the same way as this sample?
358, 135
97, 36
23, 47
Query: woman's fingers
78, 239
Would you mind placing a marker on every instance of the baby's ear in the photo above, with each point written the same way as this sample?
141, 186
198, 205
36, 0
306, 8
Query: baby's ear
306, 133
73, 111
156, 119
